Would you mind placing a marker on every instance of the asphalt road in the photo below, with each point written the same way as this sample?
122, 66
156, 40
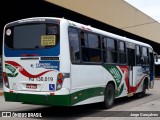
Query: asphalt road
150, 103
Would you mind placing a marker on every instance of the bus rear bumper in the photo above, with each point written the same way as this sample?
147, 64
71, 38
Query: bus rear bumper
38, 99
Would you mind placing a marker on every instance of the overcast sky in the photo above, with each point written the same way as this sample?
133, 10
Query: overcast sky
149, 7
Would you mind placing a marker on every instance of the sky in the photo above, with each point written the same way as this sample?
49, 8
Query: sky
149, 7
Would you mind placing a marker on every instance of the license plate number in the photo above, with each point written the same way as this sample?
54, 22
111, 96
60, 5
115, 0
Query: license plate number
31, 86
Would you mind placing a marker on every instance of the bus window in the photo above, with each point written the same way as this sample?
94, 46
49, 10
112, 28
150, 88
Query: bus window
74, 45
91, 55
152, 66
91, 52
104, 43
131, 57
34, 36
104, 47
138, 55
145, 55
122, 52
94, 48
131, 54
93, 41
111, 50
84, 39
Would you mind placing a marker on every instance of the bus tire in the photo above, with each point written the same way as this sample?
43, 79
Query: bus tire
142, 94
109, 96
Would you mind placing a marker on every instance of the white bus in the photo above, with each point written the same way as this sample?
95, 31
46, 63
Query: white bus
55, 61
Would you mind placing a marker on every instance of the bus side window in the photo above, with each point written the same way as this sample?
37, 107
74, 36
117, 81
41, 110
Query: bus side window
145, 55
131, 54
94, 48
83, 37
152, 66
84, 45
122, 52
104, 47
74, 45
111, 51
90, 46
138, 55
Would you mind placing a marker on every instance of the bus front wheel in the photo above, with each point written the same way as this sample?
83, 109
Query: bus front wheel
109, 96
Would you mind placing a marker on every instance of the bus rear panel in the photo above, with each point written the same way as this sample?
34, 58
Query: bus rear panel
31, 63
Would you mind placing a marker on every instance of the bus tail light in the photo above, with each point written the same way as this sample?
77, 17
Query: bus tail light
60, 79
5, 79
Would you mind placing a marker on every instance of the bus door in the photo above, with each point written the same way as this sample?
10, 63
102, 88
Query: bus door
152, 67
131, 64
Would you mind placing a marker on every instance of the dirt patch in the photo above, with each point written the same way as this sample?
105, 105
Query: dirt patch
1, 93
157, 78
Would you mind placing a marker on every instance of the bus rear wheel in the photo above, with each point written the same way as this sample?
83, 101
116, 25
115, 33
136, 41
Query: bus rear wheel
109, 96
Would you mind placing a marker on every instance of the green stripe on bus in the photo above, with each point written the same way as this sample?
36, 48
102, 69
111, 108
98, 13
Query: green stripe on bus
120, 90
114, 71
86, 93
57, 100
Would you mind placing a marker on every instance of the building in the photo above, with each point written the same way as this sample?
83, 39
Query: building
114, 16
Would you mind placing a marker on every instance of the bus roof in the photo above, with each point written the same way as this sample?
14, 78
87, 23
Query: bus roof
87, 27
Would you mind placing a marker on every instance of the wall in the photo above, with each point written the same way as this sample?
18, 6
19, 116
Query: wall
117, 13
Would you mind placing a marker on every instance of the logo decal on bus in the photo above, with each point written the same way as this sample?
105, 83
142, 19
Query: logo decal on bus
117, 75
47, 65
19, 68
12, 69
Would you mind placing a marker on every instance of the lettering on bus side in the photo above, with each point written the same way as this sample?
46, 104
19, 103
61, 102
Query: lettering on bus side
41, 79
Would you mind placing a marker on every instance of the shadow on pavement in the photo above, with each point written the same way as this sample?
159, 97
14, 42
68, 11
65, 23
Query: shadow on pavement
91, 110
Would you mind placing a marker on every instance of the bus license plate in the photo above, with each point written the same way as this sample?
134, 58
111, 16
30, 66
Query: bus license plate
31, 86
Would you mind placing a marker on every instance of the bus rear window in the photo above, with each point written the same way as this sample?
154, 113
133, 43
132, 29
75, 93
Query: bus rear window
32, 36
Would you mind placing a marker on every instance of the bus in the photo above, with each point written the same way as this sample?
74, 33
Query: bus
58, 62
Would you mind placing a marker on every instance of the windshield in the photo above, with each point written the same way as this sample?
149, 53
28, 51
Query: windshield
32, 36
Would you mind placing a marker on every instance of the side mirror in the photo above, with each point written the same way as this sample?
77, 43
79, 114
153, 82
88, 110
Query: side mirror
155, 56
